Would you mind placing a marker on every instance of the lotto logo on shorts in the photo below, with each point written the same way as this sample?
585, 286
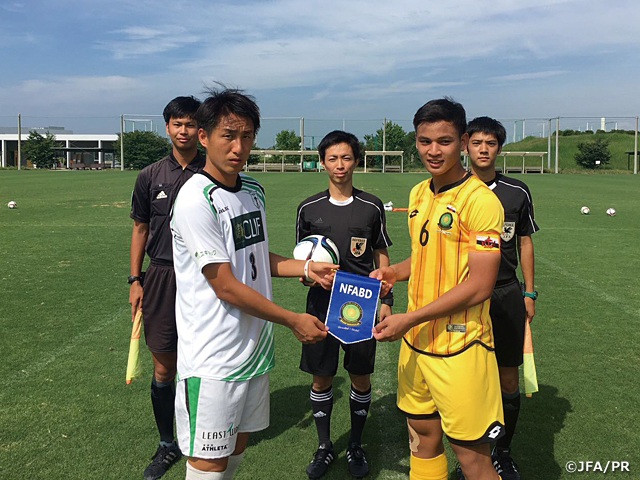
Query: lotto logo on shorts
484, 242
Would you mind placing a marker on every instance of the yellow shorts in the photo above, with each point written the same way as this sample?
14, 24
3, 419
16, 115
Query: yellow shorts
464, 390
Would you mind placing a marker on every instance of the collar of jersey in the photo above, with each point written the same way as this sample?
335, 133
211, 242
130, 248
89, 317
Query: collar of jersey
450, 186
234, 189
342, 203
195, 165
492, 183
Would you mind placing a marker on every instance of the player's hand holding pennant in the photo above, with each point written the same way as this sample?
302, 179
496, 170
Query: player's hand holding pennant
352, 307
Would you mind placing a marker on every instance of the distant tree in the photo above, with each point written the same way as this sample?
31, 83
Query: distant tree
396, 139
288, 140
410, 151
142, 148
254, 159
590, 152
40, 149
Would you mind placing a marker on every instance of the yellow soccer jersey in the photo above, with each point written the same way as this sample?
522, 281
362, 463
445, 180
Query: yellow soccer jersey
463, 217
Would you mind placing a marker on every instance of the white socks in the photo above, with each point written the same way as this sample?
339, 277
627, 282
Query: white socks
234, 461
194, 474
232, 465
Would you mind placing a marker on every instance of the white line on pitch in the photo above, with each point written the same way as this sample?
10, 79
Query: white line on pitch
595, 290
36, 367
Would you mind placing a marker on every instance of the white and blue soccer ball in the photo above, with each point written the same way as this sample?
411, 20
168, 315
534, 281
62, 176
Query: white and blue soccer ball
12, 204
317, 248
585, 210
611, 212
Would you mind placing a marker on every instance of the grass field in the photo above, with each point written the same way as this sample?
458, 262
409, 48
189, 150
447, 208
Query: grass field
65, 411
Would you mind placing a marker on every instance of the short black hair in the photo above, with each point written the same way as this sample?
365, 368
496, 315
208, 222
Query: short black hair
489, 126
443, 109
181, 107
336, 137
227, 101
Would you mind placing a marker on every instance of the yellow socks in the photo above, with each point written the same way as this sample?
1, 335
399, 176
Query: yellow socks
429, 468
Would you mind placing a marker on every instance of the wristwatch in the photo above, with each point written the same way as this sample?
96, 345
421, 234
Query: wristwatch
533, 294
133, 278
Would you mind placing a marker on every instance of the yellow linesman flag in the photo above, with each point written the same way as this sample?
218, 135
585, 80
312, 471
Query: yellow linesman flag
529, 365
134, 365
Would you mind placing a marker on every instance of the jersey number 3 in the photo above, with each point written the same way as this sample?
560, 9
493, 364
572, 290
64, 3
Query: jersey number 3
254, 270
424, 234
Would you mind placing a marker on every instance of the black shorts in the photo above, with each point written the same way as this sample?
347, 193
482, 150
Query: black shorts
159, 309
508, 315
322, 358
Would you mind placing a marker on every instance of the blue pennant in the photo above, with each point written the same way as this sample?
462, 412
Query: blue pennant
352, 307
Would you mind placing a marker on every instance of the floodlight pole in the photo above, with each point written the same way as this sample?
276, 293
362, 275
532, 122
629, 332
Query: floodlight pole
20, 140
523, 128
122, 143
515, 123
301, 141
384, 142
635, 150
557, 138
549, 147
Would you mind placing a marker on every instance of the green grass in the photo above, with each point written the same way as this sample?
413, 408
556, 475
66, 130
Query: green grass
619, 144
65, 411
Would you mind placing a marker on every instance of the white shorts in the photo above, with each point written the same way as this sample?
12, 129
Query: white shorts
211, 413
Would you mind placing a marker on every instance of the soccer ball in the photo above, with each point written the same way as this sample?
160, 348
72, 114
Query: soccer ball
317, 248
585, 210
611, 212
12, 204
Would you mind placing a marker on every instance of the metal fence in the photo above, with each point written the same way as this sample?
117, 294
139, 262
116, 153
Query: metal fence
309, 132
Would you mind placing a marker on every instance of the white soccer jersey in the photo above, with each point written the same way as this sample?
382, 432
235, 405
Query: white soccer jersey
212, 223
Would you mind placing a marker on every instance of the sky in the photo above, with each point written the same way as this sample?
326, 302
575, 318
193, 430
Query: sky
83, 63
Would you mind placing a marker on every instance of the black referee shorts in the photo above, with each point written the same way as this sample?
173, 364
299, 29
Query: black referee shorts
159, 309
508, 315
321, 358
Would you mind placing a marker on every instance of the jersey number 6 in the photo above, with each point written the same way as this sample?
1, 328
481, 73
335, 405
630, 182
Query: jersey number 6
424, 234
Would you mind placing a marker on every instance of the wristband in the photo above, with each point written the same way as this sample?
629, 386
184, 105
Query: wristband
533, 295
388, 298
306, 271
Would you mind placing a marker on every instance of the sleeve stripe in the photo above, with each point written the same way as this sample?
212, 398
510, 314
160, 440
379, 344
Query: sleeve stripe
533, 225
300, 211
386, 240
252, 181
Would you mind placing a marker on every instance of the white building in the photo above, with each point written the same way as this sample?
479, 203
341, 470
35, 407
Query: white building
73, 148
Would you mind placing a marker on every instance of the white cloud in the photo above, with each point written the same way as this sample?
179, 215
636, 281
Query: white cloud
13, 7
516, 77
377, 91
140, 40
73, 92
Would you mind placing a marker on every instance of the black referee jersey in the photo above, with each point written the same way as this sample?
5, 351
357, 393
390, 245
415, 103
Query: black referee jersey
518, 221
155, 191
357, 226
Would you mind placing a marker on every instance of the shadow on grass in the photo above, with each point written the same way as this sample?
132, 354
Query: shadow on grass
385, 435
541, 418
290, 408
384, 440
